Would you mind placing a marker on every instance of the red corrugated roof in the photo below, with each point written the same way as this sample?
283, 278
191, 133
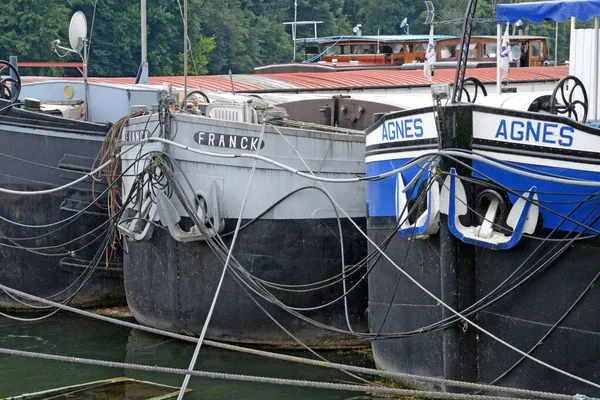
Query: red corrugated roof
325, 80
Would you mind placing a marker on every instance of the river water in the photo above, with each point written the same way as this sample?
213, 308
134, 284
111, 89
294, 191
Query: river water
72, 335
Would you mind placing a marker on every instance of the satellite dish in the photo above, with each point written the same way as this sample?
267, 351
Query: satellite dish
355, 29
77, 30
403, 23
516, 52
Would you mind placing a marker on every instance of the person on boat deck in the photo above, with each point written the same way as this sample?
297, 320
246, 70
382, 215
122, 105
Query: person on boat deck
524, 61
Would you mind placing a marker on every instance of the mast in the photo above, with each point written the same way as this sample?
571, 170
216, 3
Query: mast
294, 28
461, 66
143, 31
143, 70
185, 54
498, 47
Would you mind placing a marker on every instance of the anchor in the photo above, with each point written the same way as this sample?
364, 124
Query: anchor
428, 222
140, 226
170, 217
522, 217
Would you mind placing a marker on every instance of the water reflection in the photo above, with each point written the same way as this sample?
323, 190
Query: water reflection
72, 335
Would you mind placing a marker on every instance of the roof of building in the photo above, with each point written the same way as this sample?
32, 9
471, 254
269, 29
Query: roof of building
319, 81
375, 38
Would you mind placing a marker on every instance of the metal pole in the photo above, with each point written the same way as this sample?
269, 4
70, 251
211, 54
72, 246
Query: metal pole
556, 45
294, 28
85, 81
595, 71
144, 34
143, 71
461, 65
498, 44
572, 48
185, 54
14, 62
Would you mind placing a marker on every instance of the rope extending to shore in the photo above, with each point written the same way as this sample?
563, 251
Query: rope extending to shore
257, 379
368, 371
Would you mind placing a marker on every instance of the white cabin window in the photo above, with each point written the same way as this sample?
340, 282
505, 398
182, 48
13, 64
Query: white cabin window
535, 49
448, 51
488, 50
472, 50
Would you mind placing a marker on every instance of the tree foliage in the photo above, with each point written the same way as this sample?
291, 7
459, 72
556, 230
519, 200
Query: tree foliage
224, 35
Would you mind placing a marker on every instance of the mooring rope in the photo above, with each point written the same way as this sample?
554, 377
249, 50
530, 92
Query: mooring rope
368, 371
461, 316
256, 379
446, 153
341, 233
228, 259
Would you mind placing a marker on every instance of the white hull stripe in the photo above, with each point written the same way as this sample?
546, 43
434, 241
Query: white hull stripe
540, 161
398, 156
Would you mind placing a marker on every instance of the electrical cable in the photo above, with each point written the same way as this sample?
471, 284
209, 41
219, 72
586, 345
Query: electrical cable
465, 319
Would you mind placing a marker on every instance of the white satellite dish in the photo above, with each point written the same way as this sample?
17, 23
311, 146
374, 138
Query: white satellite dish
516, 52
403, 23
77, 30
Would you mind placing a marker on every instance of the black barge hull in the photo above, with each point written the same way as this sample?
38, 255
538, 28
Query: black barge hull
171, 285
521, 318
544, 301
40, 152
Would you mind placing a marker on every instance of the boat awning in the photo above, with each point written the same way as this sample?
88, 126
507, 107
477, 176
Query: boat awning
557, 10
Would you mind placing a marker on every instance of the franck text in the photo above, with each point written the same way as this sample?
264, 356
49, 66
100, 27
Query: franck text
228, 141
136, 135
406, 128
536, 132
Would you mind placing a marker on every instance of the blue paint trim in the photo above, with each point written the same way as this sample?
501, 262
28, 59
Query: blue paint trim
381, 194
517, 232
415, 230
549, 193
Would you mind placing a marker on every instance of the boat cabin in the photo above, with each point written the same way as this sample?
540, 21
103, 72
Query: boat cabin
369, 50
527, 51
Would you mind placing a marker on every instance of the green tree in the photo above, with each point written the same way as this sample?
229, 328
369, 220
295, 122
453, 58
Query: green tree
115, 39
270, 41
228, 21
27, 29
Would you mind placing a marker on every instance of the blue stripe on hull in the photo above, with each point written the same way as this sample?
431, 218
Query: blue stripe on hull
556, 192
381, 194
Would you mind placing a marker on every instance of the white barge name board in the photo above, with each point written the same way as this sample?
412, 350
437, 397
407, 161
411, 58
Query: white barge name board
533, 132
228, 141
404, 129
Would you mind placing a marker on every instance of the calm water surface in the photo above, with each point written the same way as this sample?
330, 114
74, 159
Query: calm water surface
72, 335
